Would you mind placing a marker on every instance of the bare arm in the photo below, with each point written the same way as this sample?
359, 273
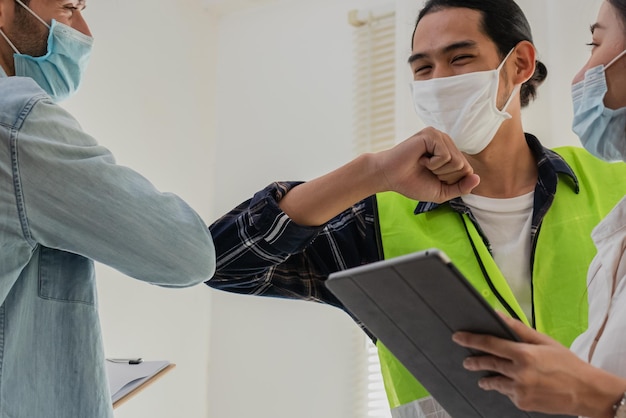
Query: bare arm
543, 375
427, 166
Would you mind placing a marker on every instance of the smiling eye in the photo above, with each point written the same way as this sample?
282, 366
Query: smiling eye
75, 6
421, 69
461, 58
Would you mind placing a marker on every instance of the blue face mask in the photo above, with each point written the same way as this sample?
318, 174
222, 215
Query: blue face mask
602, 131
60, 71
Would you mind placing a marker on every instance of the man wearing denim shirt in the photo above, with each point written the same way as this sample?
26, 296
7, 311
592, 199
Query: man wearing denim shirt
63, 204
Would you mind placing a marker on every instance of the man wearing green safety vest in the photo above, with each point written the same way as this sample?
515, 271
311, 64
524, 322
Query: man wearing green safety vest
514, 216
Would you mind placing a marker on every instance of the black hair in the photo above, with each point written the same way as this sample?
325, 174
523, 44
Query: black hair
506, 25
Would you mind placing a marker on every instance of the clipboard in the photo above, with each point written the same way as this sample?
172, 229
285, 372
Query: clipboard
128, 378
413, 304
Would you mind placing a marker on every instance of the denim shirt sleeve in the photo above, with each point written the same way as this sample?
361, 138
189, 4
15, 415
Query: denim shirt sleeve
72, 196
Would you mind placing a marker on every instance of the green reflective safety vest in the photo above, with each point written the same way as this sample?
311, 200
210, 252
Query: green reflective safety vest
561, 255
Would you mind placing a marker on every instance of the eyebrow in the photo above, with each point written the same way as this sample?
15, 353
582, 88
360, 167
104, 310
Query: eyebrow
445, 50
595, 26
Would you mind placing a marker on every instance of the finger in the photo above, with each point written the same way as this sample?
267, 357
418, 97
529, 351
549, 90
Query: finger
448, 174
440, 151
501, 384
489, 363
461, 187
452, 175
526, 333
487, 344
441, 158
483, 362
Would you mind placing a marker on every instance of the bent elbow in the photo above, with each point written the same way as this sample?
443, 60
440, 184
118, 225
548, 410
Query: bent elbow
197, 268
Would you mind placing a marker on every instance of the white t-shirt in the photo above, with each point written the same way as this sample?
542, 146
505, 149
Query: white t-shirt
606, 287
507, 223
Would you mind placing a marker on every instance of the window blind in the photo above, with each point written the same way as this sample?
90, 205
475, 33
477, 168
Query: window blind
374, 81
374, 130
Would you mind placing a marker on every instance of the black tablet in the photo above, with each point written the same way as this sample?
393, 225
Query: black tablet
413, 304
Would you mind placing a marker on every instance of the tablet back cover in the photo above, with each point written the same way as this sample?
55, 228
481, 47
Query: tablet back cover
413, 304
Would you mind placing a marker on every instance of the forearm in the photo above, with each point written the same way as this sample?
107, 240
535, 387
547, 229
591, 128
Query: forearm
73, 197
257, 235
426, 166
260, 251
319, 200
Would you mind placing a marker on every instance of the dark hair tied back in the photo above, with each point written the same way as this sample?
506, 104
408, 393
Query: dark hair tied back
528, 90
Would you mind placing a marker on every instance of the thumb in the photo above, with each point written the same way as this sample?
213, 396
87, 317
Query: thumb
463, 186
468, 183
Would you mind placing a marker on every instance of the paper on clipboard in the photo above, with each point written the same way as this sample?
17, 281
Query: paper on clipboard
125, 378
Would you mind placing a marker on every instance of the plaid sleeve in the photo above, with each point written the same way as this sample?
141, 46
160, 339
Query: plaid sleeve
261, 251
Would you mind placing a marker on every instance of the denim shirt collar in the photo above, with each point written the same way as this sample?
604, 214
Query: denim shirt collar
549, 166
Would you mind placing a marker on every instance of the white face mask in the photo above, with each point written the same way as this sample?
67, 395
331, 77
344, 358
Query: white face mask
463, 106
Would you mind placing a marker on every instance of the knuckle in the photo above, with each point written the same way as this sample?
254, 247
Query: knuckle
526, 357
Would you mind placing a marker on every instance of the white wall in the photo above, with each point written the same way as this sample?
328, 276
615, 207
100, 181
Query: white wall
283, 113
214, 108
147, 97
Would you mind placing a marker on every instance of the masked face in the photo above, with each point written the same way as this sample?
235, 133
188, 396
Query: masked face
463, 106
59, 71
602, 131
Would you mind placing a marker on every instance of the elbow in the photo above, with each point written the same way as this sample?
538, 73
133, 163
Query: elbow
192, 278
198, 267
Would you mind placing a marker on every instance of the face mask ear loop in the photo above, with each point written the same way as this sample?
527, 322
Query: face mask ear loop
9, 42
508, 102
32, 13
615, 59
503, 61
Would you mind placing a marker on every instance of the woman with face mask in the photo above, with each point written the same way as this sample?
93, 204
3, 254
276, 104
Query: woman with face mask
540, 374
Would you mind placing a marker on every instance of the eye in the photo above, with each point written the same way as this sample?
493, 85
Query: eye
74, 6
461, 59
422, 72
421, 69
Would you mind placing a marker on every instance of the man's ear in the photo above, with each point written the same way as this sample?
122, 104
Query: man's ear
524, 58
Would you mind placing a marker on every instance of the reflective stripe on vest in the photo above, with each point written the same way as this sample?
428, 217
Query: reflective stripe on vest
424, 408
562, 254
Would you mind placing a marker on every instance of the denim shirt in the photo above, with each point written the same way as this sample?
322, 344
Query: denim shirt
63, 204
